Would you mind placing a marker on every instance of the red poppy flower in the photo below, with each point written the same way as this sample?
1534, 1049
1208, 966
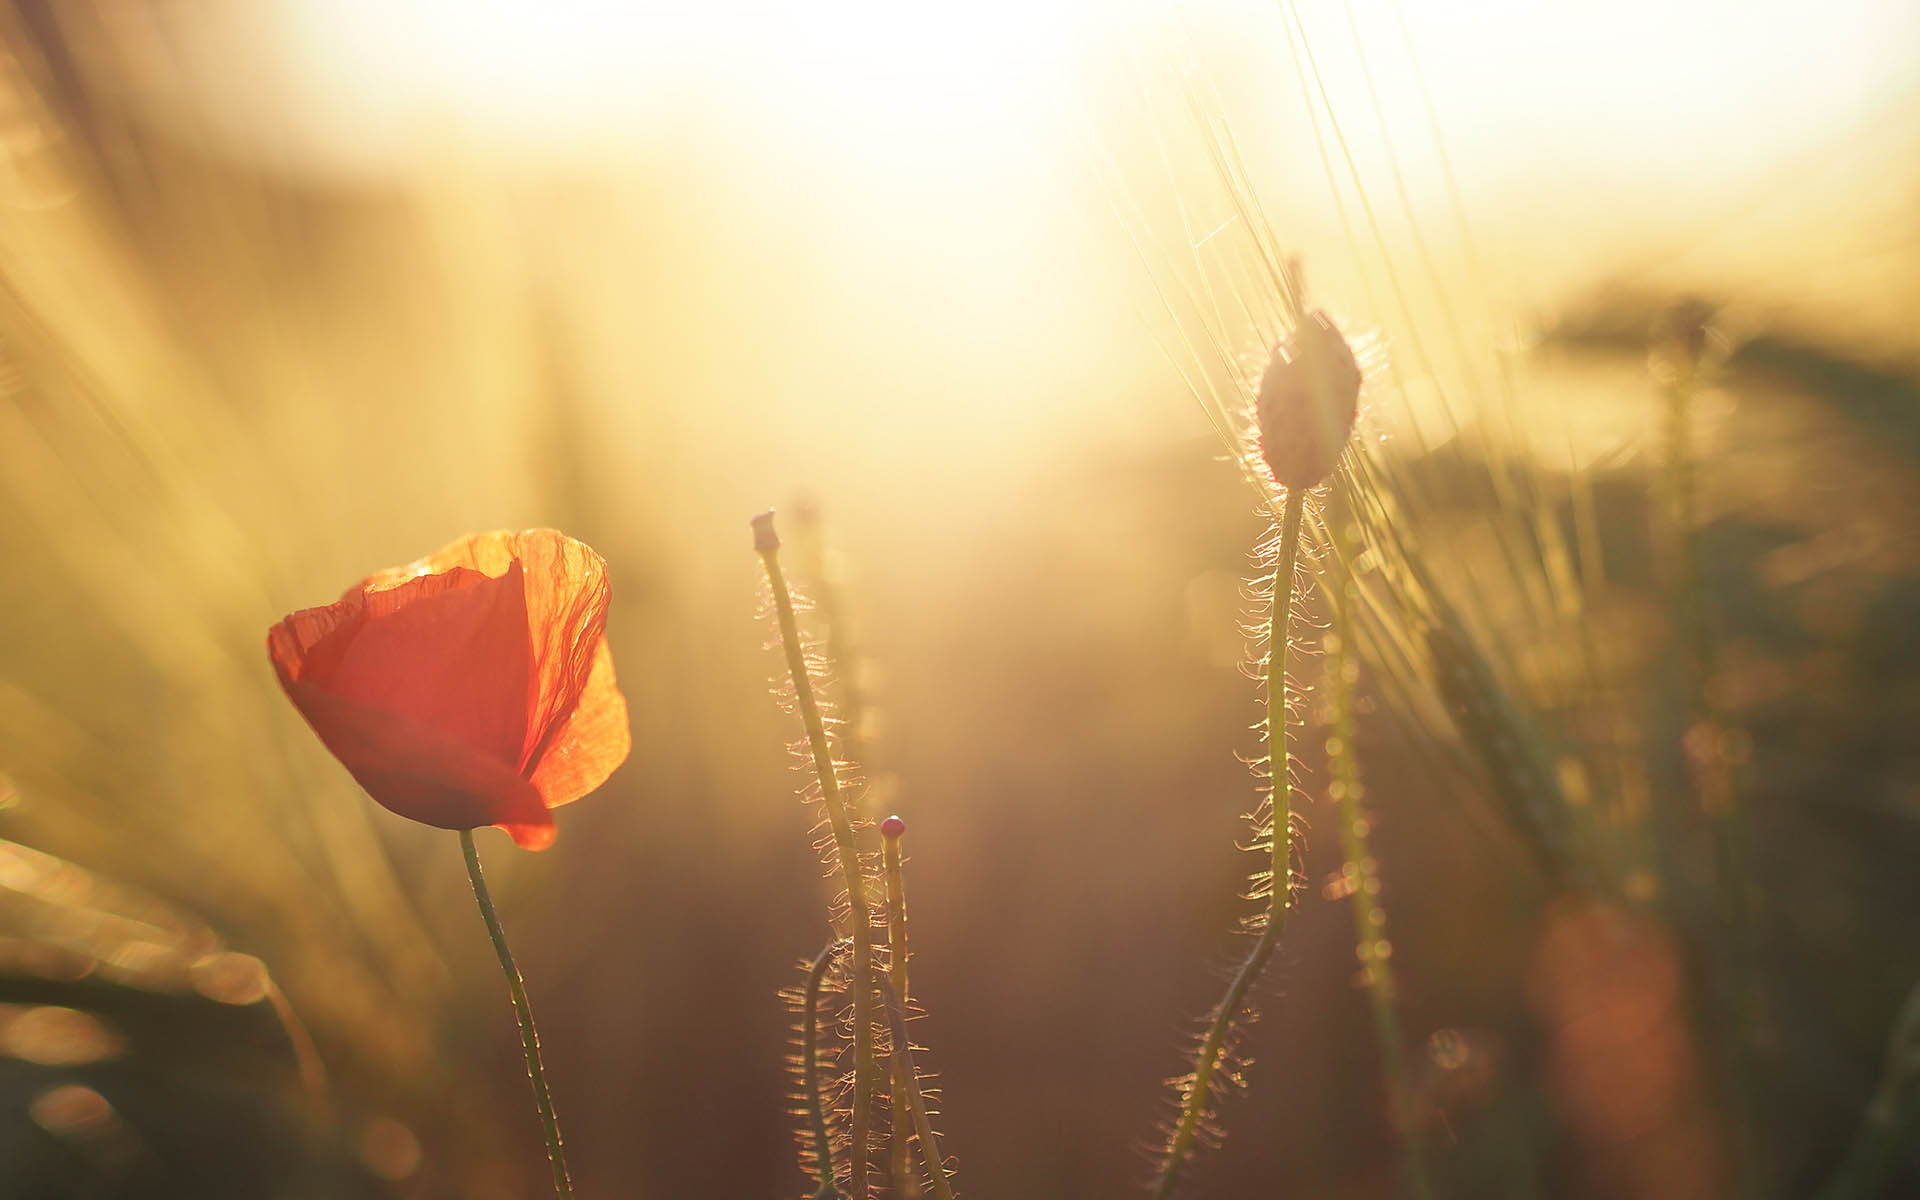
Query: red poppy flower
471, 688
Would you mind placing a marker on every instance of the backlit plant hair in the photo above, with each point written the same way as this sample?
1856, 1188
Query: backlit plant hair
910, 1113
1305, 408
816, 1149
841, 852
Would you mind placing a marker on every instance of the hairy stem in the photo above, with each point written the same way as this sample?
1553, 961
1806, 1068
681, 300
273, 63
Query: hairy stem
810, 1070
1206, 1063
908, 1077
767, 542
529, 1035
903, 1182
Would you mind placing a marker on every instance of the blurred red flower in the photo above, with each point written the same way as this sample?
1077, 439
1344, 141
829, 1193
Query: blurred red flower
473, 687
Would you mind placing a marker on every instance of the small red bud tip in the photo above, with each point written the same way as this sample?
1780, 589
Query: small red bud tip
1309, 397
765, 540
892, 828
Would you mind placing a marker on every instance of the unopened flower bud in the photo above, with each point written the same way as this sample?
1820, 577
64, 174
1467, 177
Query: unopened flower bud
1309, 397
765, 540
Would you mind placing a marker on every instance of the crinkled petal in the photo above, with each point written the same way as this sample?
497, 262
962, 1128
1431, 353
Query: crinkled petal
470, 687
448, 653
310, 641
566, 595
587, 744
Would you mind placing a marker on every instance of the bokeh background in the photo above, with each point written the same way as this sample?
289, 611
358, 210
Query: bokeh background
293, 291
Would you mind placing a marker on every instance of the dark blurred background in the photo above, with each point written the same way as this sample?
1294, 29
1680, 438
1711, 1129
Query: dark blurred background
292, 292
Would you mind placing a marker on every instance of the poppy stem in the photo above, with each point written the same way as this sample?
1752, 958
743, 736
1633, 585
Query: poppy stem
810, 1070
1199, 1087
904, 1184
529, 1036
907, 1078
839, 817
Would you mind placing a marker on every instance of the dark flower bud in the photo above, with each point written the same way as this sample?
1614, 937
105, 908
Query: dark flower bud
1309, 396
765, 539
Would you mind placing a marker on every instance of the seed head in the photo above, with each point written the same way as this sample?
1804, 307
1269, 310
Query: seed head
1309, 397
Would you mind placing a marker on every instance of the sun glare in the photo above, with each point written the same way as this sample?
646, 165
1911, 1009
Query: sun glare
579, 77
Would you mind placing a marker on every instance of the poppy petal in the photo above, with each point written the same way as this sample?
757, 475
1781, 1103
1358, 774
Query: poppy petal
532, 836
448, 652
592, 740
472, 687
299, 645
566, 599
416, 771
488, 553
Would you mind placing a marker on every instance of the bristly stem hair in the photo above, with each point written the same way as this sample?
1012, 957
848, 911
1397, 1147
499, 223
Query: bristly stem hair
891, 831
523, 1009
810, 1070
907, 1077
767, 542
1206, 1064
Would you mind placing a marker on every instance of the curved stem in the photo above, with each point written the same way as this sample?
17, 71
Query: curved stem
810, 1070
529, 1036
1213, 1046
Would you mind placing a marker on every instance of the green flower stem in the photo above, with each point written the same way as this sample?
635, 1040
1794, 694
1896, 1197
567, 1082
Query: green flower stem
1279, 899
529, 1036
897, 975
767, 542
908, 1077
810, 1071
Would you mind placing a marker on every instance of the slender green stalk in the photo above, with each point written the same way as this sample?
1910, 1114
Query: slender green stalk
529, 1036
892, 829
896, 907
1363, 876
908, 1076
767, 542
836, 634
1206, 1062
810, 1070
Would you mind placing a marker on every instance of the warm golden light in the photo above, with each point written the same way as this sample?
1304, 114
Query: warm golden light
1359, 473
